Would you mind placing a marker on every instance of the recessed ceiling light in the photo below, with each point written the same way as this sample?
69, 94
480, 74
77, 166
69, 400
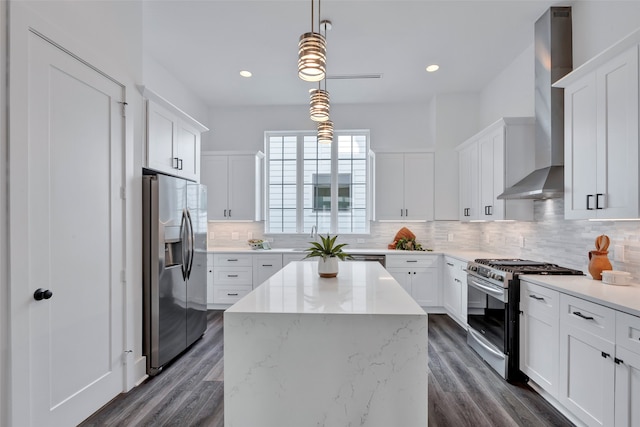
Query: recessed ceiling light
432, 68
245, 73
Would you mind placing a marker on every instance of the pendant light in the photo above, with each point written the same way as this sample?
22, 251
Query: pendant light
319, 98
325, 132
312, 53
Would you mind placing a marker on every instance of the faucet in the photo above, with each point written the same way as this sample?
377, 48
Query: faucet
314, 231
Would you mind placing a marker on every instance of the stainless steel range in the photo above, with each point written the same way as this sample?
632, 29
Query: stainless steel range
494, 324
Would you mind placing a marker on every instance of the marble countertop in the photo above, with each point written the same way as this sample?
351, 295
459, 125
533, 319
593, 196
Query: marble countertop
622, 298
360, 288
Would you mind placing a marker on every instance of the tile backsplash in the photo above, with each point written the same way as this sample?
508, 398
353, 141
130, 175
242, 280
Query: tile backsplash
548, 238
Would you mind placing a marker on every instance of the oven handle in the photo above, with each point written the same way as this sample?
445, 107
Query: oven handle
480, 340
493, 292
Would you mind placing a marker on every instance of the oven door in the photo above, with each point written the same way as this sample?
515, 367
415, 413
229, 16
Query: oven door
489, 320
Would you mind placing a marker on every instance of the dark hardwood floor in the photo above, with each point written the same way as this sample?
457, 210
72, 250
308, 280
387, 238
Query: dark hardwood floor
463, 390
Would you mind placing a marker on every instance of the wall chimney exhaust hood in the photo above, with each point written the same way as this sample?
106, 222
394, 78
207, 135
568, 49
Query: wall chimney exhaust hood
553, 60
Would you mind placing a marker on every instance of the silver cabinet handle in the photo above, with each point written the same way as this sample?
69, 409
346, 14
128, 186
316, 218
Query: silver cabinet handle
225, 213
412, 260
232, 259
229, 212
537, 298
401, 212
450, 264
232, 275
267, 265
232, 294
406, 212
457, 280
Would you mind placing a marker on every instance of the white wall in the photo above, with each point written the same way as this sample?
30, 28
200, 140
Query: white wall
511, 93
393, 127
165, 84
107, 35
4, 307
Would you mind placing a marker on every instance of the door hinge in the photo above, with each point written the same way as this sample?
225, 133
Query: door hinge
124, 108
123, 193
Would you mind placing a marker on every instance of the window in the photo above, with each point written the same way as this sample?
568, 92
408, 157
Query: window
323, 185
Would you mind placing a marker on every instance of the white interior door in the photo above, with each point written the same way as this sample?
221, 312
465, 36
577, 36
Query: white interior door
67, 223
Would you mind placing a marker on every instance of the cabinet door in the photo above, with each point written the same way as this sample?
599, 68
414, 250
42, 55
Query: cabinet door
452, 288
209, 278
580, 148
469, 189
214, 176
617, 123
161, 138
540, 335
265, 266
389, 186
403, 277
425, 287
188, 151
587, 369
491, 173
242, 188
627, 410
418, 186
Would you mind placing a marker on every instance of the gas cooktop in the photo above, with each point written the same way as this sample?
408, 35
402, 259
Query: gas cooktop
523, 266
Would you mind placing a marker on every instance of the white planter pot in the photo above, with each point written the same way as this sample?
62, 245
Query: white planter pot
328, 267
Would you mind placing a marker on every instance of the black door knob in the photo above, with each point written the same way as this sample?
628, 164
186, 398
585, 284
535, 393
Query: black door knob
41, 294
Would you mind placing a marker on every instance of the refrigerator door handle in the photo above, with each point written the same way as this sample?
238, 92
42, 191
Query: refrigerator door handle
191, 244
183, 241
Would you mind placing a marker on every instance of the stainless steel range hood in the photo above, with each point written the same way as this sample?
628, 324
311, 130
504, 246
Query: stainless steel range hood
553, 60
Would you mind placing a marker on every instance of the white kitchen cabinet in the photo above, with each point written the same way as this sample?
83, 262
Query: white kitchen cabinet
265, 266
232, 277
469, 184
234, 186
491, 161
209, 279
587, 368
540, 335
404, 186
627, 360
418, 275
454, 292
601, 137
173, 139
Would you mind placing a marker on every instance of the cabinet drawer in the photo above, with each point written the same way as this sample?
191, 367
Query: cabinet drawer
229, 294
628, 331
594, 319
539, 301
233, 276
411, 261
232, 260
269, 261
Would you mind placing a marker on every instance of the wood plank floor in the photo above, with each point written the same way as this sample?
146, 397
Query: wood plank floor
463, 390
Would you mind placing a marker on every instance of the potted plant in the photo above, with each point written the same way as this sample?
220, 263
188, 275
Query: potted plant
329, 253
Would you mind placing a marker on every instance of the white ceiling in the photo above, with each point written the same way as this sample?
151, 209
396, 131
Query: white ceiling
206, 43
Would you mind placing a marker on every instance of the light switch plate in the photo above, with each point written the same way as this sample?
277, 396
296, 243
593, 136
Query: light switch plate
521, 241
235, 235
211, 235
450, 237
618, 253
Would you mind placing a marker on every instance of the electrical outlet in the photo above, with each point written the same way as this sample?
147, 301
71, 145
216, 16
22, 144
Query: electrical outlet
521, 241
450, 237
211, 235
360, 240
249, 235
270, 239
618, 253
235, 235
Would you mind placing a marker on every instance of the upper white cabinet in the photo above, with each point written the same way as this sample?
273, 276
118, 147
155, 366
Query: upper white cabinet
492, 160
234, 186
173, 139
404, 186
601, 137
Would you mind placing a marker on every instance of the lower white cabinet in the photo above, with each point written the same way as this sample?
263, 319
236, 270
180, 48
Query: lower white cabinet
454, 292
210, 279
540, 335
627, 360
265, 266
419, 275
232, 277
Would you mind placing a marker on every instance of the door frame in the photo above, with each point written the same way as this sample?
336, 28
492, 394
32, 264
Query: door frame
20, 19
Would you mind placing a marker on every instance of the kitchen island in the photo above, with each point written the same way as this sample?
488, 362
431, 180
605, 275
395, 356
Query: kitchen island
301, 350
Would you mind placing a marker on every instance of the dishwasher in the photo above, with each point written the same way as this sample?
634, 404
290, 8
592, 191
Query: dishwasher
369, 257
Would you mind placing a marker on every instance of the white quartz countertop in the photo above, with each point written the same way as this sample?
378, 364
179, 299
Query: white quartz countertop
622, 298
360, 288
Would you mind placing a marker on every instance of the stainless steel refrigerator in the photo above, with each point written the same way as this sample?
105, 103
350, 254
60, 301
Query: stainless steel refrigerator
174, 266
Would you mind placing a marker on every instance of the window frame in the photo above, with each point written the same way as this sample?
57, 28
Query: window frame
300, 136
